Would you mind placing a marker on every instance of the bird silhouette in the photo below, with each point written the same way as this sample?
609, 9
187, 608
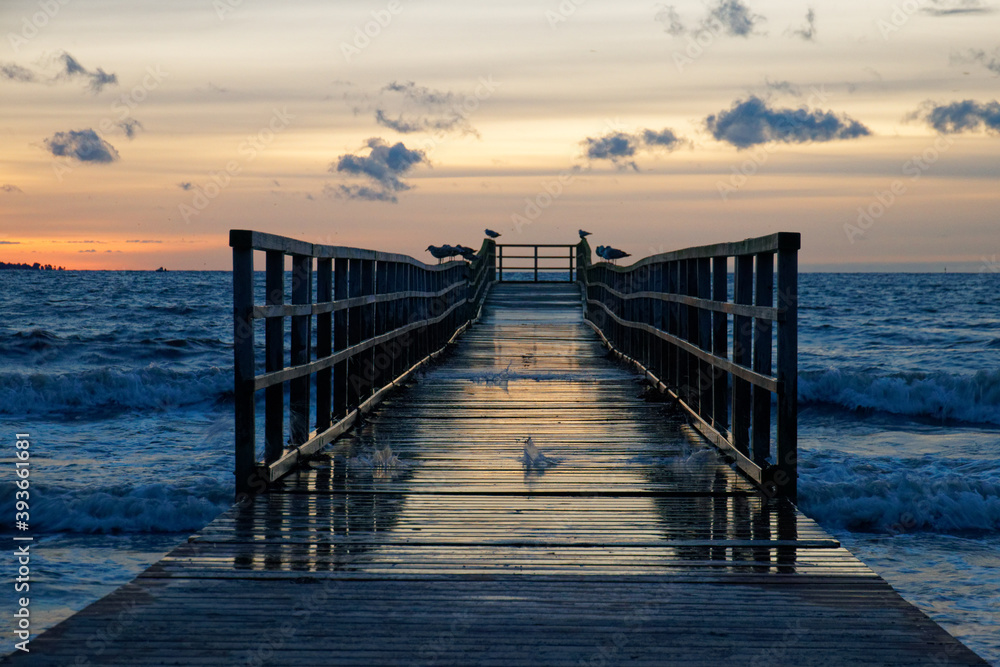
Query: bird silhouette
583, 234
465, 251
614, 254
600, 251
440, 252
492, 234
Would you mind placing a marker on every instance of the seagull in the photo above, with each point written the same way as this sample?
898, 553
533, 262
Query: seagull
440, 252
600, 251
492, 234
466, 252
614, 254
583, 234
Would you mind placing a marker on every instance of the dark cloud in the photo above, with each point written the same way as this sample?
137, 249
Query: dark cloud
81, 145
142, 241
87, 250
407, 108
97, 78
808, 31
990, 61
11, 189
186, 185
14, 72
735, 17
751, 121
950, 7
964, 116
10, 243
671, 20
130, 126
620, 148
384, 165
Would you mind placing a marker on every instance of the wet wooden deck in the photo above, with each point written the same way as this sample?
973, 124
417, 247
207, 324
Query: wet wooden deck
636, 544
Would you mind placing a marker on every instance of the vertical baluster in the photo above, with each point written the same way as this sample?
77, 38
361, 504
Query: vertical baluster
274, 352
324, 344
673, 326
340, 337
742, 351
761, 426
301, 340
720, 344
355, 329
706, 374
381, 361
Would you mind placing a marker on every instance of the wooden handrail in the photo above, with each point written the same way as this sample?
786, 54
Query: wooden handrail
568, 264
671, 314
378, 317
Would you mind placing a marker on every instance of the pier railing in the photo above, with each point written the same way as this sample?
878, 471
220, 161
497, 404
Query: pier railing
544, 262
361, 321
709, 343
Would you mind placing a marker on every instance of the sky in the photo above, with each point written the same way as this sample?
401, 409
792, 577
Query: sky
136, 134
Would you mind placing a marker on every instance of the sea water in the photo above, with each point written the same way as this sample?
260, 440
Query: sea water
124, 381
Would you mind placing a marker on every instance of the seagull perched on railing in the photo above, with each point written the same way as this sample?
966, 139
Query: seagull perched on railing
600, 251
440, 252
466, 252
614, 254
583, 234
492, 234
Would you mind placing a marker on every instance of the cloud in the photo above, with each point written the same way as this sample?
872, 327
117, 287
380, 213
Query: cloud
950, 7
10, 243
964, 116
407, 108
98, 78
751, 121
808, 31
130, 126
14, 72
81, 145
68, 68
735, 17
990, 61
671, 20
783, 87
11, 189
620, 148
142, 241
186, 185
87, 250
383, 166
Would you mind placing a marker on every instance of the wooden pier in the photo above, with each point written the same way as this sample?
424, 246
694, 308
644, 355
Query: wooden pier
426, 534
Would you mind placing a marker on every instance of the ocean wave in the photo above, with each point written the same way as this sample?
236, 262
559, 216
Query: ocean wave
149, 508
892, 495
971, 398
111, 389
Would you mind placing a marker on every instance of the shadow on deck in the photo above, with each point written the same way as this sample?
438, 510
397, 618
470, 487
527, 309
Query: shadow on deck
632, 543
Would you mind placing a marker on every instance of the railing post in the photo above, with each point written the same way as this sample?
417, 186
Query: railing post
340, 337
763, 296
720, 344
788, 299
355, 336
324, 344
742, 353
274, 343
500, 260
536, 264
243, 363
301, 339
706, 374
